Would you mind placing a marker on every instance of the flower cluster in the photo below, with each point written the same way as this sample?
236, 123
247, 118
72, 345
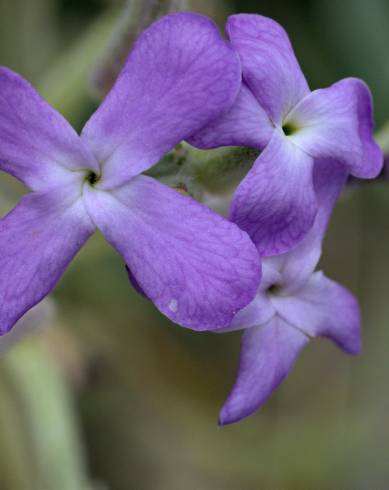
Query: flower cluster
254, 271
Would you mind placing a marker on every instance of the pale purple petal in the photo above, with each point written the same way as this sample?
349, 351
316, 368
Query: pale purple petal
299, 263
337, 122
179, 77
271, 273
38, 239
198, 268
324, 308
276, 202
258, 312
269, 65
37, 145
267, 355
245, 124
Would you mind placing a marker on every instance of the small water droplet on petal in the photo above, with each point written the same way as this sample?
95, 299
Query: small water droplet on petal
173, 305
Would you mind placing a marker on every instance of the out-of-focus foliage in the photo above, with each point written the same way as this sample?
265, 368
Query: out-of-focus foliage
110, 395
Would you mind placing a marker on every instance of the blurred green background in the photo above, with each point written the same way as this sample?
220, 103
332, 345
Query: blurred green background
108, 394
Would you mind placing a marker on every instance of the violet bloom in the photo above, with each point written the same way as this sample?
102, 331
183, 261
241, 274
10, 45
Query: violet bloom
293, 305
196, 267
275, 111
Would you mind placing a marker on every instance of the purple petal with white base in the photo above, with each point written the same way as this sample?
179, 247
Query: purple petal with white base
267, 355
304, 304
337, 122
38, 239
276, 202
269, 66
183, 256
258, 312
37, 145
179, 77
324, 308
245, 124
298, 264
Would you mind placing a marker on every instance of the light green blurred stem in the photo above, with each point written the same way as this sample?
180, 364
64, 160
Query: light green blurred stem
15, 466
67, 85
135, 18
382, 137
45, 409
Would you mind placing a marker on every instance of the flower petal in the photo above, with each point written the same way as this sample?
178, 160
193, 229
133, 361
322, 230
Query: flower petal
269, 65
324, 308
198, 268
37, 145
267, 355
337, 122
180, 76
276, 202
245, 124
258, 312
298, 264
38, 239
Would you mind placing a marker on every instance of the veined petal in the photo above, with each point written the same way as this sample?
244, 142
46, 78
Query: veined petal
197, 268
180, 76
297, 265
269, 65
245, 124
38, 239
267, 355
276, 202
324, 308
37, 145
337, 122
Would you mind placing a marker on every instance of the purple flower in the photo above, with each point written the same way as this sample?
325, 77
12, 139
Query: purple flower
275, 111
293, 305
196, 267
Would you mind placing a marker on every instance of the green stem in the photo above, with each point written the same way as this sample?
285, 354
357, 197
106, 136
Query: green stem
47, 417
382, 137
134, 19
67, 85
215, 171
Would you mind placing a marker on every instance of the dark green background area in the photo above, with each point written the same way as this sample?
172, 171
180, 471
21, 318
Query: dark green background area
110, 395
